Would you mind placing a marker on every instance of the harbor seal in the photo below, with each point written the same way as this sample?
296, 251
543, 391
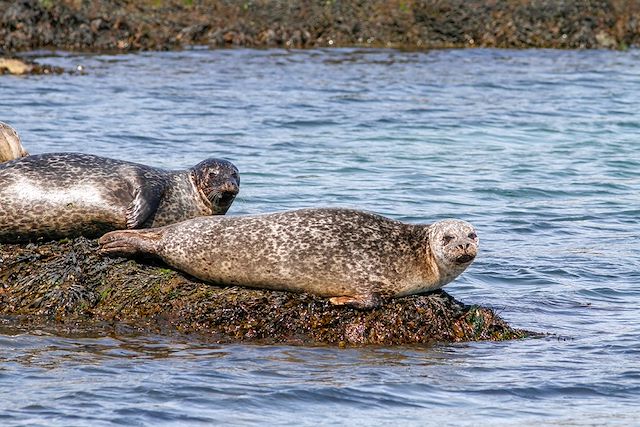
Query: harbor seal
354, 258
61, 195
10, 145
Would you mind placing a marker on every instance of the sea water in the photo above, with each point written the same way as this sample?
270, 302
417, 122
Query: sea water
539, 149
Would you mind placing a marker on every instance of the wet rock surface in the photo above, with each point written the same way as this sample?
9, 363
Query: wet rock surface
66, 286
121, 25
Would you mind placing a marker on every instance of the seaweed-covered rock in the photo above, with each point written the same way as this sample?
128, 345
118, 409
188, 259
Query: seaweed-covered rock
66, 284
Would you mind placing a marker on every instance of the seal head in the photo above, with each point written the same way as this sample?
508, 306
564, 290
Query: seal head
218, 182
10, 145
454, 245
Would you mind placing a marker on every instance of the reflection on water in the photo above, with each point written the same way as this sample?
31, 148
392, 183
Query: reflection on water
538, 149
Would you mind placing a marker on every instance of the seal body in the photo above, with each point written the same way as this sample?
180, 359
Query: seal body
10, 144
353, 257
69, 194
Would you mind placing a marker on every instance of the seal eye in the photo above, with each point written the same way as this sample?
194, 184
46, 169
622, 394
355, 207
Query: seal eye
472, 235
446, 239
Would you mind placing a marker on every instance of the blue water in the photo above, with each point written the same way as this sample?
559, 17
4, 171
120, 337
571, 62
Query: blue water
539, 149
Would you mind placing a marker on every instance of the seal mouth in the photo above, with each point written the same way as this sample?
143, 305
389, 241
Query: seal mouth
465, 258
222, 200
225, 198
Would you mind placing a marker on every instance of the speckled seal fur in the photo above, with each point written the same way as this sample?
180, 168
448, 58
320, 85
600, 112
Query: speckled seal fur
61, 195
354, 258
10, 145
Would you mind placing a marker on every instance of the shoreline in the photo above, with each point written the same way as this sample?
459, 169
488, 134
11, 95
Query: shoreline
124, 26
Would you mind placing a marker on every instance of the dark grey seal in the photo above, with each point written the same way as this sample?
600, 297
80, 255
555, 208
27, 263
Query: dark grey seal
355, 258
61, 195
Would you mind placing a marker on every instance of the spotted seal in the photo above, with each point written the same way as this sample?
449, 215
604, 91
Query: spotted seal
355, 258
10, 144
60, 195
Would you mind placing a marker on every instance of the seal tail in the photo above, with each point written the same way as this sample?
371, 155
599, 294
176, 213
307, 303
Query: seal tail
129, 242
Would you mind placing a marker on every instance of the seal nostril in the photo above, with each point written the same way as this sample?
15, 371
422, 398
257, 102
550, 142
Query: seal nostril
231, 189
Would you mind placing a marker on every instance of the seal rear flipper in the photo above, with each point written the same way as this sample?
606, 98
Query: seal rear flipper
360, 302
146, 199
128, 243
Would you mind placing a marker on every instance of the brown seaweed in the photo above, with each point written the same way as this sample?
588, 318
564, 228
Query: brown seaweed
67, 286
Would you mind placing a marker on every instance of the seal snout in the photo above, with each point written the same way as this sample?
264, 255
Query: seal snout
465, 258
225, 195
467, 252
229, 190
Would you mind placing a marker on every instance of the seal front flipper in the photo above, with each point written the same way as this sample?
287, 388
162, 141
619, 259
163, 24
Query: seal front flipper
360, 302
146, 199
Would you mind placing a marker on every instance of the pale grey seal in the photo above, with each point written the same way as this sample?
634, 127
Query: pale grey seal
61, 195
10, 144
354, 258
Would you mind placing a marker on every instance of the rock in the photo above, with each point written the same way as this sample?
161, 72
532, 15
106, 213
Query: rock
14, 66
20, 67
58, 285
606, 41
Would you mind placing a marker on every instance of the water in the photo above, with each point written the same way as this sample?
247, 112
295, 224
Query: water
539, 149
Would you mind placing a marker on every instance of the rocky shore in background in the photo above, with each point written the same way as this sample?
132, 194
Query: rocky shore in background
125, 25
66, 287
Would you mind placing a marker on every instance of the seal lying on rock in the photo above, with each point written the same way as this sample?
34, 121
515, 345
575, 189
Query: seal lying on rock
354, 258
10, 145
69, 194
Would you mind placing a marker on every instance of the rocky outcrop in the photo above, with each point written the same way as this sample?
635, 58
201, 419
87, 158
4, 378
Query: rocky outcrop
66, 285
